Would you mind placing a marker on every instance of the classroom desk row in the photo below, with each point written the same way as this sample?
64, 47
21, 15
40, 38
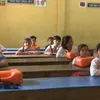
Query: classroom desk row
65, 88
29, 56
13, 52
38, 61
49, 70
15, 49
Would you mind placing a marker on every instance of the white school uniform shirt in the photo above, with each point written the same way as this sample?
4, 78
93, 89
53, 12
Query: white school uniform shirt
95, 67
48, 49
62, 52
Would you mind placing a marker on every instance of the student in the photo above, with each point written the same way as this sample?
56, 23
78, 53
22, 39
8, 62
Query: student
66, 46
3, 61
52, 49
83, 52
33, 45
95, 64
2, 48
50, 42
26, 49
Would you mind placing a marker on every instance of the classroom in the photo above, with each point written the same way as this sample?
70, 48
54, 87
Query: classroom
49, 49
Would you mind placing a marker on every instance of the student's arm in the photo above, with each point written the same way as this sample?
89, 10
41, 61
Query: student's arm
38, 48
4, 63
34, 52
2, 48
61, 53
73, 62
48, 51
94, 71
20, 52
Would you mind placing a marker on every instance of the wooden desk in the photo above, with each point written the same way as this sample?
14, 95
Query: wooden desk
38, 61
15, 49
13, 52
29, 56
49, 70
65, 88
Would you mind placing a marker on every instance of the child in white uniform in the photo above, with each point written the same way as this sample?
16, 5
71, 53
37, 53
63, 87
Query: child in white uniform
52, 49
66, 46
95, 64
83, 52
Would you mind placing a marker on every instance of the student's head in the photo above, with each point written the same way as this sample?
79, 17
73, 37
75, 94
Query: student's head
98, 49
67, 42
56, 40
27, 43
50, 40
83, 50
33, 39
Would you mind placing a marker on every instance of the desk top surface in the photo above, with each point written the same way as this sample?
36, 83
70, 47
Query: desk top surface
37, 60
30, 56
47, 68
56, 83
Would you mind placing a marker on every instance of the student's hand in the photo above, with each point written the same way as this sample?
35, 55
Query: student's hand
48, 53
28, 53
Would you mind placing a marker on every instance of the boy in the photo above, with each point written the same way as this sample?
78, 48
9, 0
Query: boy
52, 49
33, 45
95, 64
50, 42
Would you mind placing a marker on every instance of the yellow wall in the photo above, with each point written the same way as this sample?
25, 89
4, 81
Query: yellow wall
60, 17
20, 21
82, 23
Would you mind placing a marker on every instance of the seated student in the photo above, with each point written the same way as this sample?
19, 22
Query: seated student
26, 49
52, 49
2, 48
83, 52
50, 42
33, 45
66, 45
95, 64
3, 61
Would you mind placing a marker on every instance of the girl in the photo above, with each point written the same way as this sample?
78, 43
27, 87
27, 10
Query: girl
83, 52
66, 46
26, 49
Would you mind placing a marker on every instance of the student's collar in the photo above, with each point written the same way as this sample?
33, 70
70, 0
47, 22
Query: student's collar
98, 57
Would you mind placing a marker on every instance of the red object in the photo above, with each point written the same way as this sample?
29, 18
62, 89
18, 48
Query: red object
82, 4
83, 62
71, 55
12, 76
79, 74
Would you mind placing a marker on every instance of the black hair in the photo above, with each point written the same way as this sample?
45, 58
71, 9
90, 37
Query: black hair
33, 37
26, 39
81, 46
98, 46
57, 38
50, 38
65, 41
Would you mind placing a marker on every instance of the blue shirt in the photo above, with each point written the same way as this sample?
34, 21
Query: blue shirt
2, 58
